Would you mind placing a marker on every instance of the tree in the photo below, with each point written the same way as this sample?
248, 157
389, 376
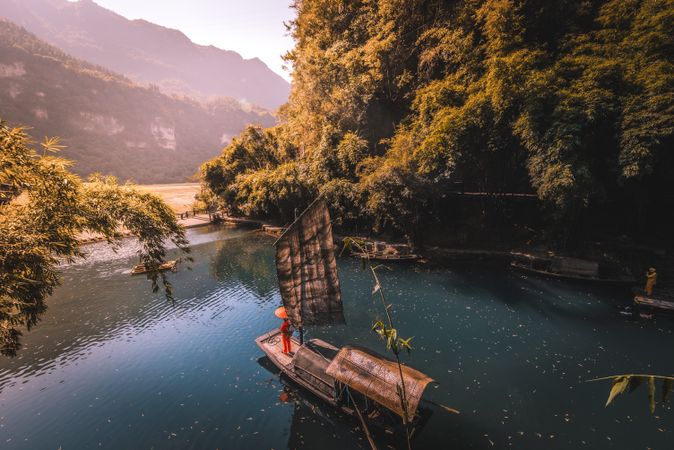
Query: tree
43, 208
396, 103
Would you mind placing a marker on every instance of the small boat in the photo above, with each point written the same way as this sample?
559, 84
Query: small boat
349, 378
273, 231
353, 379
387, 258
383, 251
566, 268
168, 265
657, 301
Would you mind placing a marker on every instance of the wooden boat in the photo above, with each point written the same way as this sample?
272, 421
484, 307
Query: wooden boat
349, 378
383, 251
566, 268
273, 231
387, 258
353, 379
656, 301
168, 265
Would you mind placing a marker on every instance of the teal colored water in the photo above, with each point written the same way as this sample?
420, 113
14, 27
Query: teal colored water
114, 366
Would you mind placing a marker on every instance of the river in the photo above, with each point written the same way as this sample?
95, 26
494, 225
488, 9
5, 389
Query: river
113, 365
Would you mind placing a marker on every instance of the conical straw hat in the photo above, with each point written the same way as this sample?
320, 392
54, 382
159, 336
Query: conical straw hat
281, 313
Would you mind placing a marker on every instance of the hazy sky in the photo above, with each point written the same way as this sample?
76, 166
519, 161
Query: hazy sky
249, 27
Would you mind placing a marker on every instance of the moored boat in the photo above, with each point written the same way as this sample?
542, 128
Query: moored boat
273, 231
566, 268
383, 251
168, 265
657, 301
349, 378
353, 379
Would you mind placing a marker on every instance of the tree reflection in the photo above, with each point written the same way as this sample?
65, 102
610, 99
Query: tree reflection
250, 261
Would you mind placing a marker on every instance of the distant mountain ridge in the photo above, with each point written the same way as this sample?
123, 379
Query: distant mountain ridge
110, 124
146, 52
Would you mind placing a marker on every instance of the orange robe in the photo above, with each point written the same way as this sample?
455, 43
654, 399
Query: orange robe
285, 334
651, 280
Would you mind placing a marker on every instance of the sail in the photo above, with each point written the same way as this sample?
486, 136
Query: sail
307, 269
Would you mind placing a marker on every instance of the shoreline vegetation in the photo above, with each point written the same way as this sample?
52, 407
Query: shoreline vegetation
471, 124
184, 197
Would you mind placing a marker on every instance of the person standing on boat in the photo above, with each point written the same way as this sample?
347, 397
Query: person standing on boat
286, 329
651, 281
286, 332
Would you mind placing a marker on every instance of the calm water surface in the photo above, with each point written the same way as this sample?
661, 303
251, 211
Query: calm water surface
114, 366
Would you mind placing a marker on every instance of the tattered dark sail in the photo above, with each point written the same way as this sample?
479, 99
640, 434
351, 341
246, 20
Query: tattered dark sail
307, 270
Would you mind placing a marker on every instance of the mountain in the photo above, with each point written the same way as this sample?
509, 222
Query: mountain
110, 124
146, 52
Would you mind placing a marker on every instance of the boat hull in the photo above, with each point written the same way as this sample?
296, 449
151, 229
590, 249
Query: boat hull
272, 345
628, 281
388, 258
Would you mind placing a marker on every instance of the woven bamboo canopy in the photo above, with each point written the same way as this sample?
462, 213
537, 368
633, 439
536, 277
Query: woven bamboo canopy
378, 377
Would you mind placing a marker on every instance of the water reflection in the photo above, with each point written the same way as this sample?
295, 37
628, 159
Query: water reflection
249, 261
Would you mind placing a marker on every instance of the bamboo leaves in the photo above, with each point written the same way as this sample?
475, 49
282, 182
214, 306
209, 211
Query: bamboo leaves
38, 233
619, 386
666, 389
631, 382
405, 343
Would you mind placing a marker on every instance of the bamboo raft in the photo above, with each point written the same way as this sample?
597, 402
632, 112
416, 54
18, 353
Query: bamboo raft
168, 265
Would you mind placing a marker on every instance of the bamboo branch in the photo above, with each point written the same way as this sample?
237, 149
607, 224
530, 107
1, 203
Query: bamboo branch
366, 430
613, 377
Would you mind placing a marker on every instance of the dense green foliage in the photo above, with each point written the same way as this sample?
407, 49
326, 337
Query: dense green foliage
43, 207
396, 103
110, 124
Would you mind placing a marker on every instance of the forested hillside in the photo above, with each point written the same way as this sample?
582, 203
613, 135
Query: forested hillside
398, 107
109, 124
147, 53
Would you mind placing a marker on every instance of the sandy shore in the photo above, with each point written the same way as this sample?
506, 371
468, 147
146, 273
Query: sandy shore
179, 196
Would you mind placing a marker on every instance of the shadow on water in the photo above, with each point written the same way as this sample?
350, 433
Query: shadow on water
551, 299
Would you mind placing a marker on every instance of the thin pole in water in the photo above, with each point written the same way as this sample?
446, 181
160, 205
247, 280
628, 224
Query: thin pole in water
298, 218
